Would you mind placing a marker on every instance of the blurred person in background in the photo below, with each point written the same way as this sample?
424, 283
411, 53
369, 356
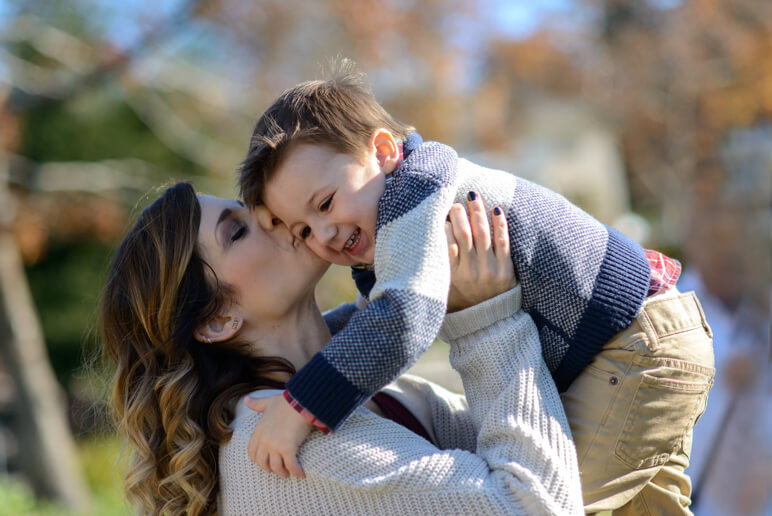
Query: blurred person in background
731, 461
207, 301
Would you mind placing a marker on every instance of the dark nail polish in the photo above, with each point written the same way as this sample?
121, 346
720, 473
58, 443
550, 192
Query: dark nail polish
447, 217
471, 196
497, 211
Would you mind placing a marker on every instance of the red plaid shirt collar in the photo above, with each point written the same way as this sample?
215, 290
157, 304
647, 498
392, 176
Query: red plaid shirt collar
664, 271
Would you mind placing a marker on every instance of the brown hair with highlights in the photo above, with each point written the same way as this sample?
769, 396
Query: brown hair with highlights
340, 112
172, 396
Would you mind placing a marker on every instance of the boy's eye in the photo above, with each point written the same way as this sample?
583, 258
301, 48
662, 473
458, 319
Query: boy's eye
239, 233
305, 232
326, 204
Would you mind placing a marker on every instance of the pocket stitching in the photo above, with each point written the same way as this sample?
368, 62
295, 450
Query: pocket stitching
671, 384
698, 389
649, 362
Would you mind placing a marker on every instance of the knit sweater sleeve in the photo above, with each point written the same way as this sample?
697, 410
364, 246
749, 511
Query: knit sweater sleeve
524, 462
337, 318
408, 301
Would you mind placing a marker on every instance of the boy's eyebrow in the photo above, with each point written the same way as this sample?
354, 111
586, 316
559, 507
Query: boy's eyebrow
310, 201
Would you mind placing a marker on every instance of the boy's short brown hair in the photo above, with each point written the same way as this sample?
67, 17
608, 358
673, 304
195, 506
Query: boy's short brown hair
340, 113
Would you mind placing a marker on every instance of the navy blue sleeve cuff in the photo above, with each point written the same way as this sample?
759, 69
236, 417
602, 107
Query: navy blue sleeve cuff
324, 392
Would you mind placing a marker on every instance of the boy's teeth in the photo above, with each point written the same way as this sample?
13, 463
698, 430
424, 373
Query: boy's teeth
352, 241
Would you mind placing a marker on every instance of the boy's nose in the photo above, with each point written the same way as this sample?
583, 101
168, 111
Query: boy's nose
325, 233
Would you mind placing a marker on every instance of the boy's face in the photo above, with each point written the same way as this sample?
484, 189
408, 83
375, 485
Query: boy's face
330, 200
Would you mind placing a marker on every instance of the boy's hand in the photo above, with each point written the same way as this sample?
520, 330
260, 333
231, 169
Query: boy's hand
278, 435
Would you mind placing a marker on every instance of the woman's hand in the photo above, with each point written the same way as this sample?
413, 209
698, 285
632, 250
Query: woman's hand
480, 268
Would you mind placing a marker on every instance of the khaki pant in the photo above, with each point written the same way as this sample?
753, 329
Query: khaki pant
633, 408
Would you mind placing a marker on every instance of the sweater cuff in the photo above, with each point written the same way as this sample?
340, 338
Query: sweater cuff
324, 392
459, 324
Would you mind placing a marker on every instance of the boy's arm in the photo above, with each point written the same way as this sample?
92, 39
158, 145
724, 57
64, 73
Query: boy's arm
337, 318
408, 301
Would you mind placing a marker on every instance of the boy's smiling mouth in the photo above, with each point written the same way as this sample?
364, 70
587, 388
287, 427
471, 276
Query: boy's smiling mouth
353, 242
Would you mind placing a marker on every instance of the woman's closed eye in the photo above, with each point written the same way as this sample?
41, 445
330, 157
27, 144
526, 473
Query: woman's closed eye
240, 232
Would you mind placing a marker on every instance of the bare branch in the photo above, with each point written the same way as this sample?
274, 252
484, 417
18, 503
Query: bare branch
177, 135
56, 94
52, 42
32, 79
124, 176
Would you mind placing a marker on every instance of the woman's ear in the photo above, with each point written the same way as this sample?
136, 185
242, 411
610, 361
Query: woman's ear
219, 328
386, 150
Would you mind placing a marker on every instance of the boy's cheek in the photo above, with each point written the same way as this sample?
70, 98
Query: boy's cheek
325, 254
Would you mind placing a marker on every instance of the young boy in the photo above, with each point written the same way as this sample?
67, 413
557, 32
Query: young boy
630, 355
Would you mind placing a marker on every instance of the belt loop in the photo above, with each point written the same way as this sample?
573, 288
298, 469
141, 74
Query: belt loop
702, 315
649, 330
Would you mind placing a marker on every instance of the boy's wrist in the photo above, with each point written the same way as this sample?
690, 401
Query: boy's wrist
306, 414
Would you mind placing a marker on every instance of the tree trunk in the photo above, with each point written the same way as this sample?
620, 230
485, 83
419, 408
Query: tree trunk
46, 445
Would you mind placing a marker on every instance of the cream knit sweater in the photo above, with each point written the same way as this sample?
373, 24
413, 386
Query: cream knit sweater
508, 451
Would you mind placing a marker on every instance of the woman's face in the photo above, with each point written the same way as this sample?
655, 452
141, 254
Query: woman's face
269, 270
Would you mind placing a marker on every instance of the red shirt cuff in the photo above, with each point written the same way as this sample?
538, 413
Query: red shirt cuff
306, 414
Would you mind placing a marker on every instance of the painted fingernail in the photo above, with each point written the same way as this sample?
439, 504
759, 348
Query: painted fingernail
471, 196
497, 211
447, 217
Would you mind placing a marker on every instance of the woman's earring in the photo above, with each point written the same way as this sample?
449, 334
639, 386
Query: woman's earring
235, 324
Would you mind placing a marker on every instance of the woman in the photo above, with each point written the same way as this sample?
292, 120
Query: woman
207, 301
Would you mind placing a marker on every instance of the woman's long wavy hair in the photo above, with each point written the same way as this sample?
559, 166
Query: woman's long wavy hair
173, 397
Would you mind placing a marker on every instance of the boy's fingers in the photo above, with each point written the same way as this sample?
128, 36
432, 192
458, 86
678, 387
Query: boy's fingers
256, 404
277, 465
461, 229
452, 245
253, 447
293, 465
262, 460
481, 231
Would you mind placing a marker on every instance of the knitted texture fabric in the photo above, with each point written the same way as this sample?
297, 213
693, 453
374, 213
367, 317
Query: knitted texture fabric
583, 281
407, 303
509, 451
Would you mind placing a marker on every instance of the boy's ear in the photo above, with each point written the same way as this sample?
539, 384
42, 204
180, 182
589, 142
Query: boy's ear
386, 150
219, 328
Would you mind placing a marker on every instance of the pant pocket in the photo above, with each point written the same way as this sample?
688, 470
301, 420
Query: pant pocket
664, 408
